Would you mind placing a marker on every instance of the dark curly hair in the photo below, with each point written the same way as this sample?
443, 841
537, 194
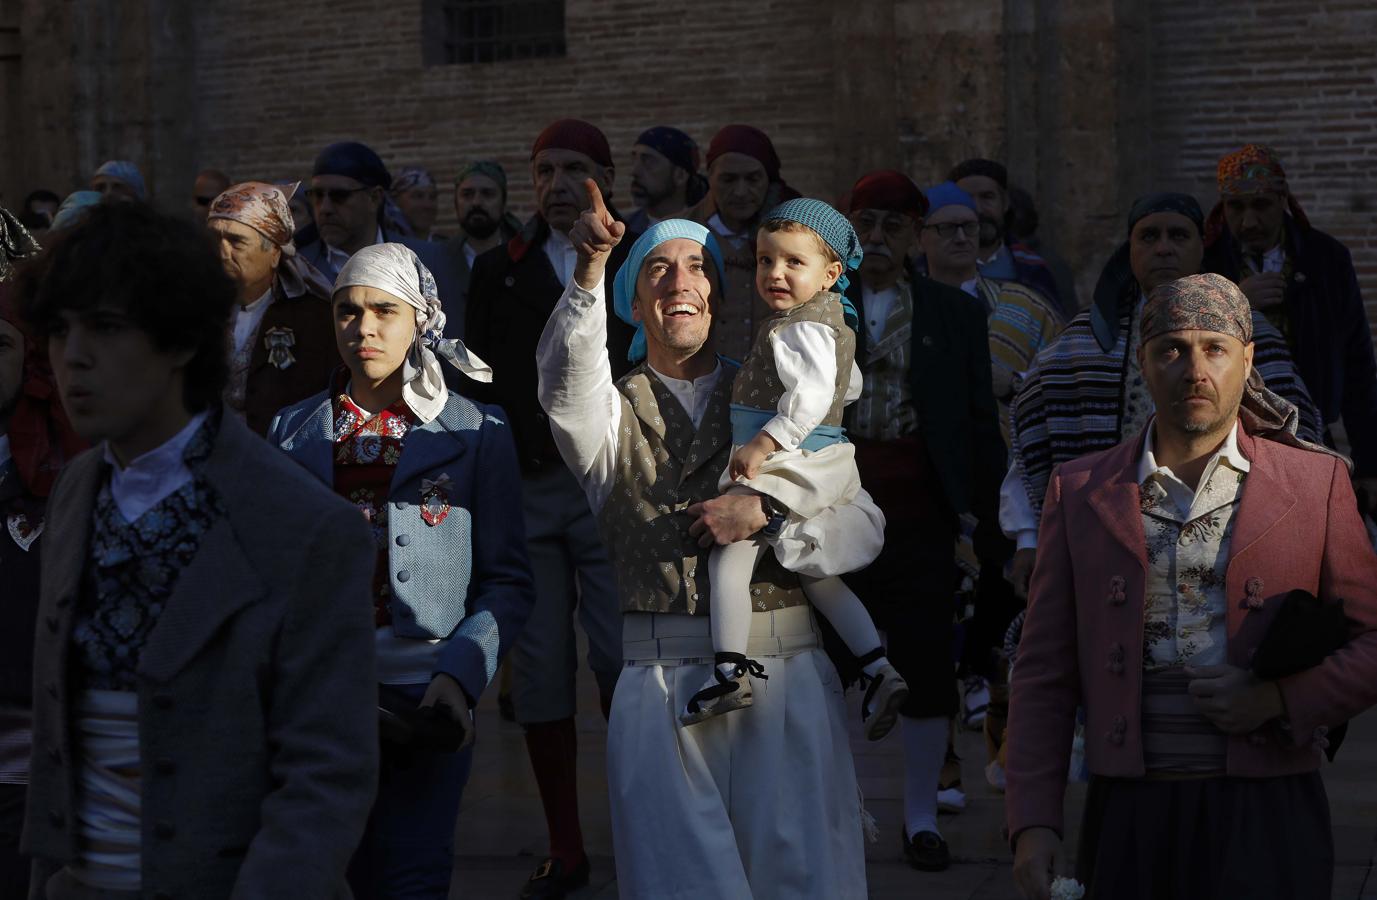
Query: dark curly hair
162, 272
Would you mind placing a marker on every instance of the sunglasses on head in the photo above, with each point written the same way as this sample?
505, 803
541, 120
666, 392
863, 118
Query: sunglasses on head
336, 195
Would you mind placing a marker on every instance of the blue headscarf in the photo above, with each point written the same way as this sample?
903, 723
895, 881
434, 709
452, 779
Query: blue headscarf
624, 285
836, 232
948, 194
353, 160
73, 208
124, 170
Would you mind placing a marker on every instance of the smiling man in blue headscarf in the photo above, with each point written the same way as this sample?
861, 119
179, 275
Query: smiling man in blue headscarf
767, 807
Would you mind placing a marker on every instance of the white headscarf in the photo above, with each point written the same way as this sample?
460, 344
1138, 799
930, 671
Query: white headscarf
394, 268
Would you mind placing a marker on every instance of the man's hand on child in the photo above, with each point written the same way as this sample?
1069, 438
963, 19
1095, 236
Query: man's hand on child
747, 459
593, 236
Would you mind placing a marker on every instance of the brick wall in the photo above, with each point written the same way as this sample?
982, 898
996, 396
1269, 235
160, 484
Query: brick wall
1301, 78
270, 102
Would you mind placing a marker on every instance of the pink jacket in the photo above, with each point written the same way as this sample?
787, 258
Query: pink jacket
1297, 526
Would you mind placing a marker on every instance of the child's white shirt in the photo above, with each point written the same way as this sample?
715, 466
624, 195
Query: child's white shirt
805, 355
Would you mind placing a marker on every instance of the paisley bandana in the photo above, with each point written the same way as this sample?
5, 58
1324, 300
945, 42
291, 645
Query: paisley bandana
266, 209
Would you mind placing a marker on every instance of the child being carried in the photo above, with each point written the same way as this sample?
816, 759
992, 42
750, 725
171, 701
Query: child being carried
788, 444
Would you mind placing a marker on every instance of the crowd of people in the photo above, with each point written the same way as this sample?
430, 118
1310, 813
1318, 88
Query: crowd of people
260, 463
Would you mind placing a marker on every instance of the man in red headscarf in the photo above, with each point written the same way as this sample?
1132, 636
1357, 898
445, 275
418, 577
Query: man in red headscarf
511, 295
283, 348
743, 182
1303, 281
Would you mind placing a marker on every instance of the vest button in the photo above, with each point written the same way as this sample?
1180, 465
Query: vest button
403, 575
403, 540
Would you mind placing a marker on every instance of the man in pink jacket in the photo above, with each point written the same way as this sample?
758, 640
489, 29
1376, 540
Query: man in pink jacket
1162, 564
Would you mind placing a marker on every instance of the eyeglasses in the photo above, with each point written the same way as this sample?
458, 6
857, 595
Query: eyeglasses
947, 230
891, 226
337, 195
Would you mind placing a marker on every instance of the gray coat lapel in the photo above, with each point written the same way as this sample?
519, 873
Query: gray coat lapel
311, 445
67, 537
219, 581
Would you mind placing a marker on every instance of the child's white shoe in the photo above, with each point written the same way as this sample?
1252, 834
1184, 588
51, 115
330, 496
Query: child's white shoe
725, 690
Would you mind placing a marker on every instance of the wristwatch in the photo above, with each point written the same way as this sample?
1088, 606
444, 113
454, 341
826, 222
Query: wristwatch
775, 515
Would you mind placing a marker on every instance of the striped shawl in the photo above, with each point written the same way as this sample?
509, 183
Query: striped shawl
1072, 399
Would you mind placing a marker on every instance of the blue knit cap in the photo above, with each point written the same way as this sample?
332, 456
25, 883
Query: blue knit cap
830, 225
948, 194
624, 285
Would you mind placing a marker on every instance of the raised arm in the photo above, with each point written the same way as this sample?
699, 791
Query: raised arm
575, 377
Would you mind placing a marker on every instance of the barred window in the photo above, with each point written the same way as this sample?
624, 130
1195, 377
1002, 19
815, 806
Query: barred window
483, 31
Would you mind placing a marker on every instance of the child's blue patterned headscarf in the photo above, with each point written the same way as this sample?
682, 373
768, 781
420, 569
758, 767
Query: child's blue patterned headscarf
624, 286
835, 231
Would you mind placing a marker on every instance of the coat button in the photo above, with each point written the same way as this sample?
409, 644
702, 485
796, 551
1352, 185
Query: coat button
64, 600
400, 504
52, 624
162, 701
403, 575
164, 831
403, 540
165, 765
509, 281
51, 688
55, 755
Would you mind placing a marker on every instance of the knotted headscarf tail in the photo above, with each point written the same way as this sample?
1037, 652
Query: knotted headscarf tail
395, 269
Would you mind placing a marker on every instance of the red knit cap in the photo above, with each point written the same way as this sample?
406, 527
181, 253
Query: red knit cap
576, 135
749, 141
890, 190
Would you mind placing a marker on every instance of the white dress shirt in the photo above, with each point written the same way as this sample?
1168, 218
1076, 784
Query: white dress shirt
562, 255
336, 257
151, 478
247, 319
877, 305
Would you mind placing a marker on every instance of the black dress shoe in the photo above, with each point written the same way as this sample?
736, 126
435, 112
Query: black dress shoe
550, 881
927, 852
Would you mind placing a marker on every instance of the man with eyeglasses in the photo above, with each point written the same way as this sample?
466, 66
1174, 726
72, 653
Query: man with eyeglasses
209, 184
988, 184
928, 448
1021, 320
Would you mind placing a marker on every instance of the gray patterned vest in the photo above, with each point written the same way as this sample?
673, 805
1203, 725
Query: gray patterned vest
664, 466
758, 384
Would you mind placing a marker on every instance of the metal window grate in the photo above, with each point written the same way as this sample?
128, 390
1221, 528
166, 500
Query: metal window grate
483, 31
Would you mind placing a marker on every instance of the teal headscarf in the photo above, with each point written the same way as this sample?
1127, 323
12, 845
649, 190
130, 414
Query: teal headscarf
73, 208
624, 286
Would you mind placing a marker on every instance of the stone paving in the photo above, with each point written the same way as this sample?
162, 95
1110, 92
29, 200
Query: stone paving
501, 832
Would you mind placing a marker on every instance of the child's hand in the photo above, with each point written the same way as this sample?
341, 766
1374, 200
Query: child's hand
746, 461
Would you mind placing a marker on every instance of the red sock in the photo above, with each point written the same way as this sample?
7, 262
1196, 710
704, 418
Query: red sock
553, 748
